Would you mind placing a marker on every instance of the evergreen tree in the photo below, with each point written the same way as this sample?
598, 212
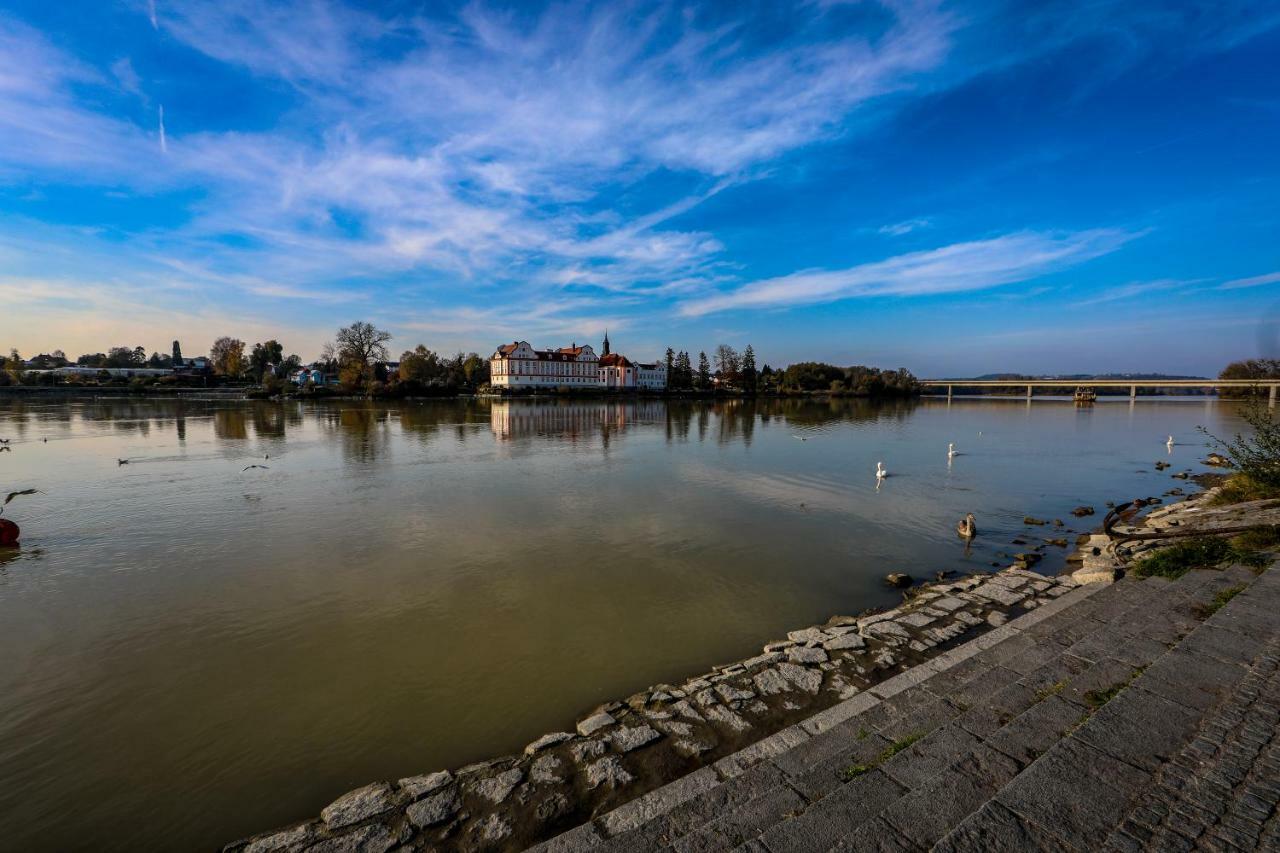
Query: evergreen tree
704, 372
683, 378
748, 369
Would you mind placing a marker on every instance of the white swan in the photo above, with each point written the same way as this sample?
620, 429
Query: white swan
951, 450
1169, 443
881, 473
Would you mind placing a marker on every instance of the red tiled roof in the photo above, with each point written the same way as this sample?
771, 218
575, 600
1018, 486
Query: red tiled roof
613, 359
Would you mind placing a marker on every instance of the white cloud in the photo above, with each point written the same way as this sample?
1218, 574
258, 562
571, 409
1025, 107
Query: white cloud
1133, 289
897, 229
1255, 281
956, 268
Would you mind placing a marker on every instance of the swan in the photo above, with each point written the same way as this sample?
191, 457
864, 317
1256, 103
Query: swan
881, 473
967, 527
1169, 443
951, 450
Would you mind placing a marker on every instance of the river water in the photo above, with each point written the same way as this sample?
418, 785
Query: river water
191, 652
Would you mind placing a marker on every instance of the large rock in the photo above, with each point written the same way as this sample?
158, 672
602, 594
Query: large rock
844, 642
416, 787
626, 739
498, 788
770, 682
595, 723
805, 679
607, 771
434, 809
547, 741
360, 804
805, 654
545, 768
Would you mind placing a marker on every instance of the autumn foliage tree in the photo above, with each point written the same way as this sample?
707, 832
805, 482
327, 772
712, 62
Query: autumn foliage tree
227, 356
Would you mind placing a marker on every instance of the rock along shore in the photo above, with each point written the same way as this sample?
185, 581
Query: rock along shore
622, 750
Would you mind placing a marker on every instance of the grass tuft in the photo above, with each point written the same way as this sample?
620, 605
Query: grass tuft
853, 771
1052, 690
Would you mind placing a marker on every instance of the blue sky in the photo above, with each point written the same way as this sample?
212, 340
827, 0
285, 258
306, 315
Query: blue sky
951, 187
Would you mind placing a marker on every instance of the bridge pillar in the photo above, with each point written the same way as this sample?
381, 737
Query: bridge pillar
1133, 392
1028, 392
1273, 396
1273, 393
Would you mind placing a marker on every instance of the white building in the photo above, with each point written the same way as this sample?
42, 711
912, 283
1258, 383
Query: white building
519, 365
651, 376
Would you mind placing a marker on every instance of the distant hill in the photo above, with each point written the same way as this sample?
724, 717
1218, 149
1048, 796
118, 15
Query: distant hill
1076, 377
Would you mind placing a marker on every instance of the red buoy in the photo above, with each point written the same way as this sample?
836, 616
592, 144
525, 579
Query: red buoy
8, 532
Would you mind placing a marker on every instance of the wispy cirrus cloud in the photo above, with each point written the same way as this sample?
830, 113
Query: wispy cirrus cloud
897, 229
1134, 289
1253, 281
957, 268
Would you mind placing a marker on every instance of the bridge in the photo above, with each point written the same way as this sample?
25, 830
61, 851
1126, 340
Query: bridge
1132, 384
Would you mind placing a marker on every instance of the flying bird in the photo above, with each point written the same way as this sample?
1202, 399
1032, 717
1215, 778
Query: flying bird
6, 449
122, 461
13, 495
247, 467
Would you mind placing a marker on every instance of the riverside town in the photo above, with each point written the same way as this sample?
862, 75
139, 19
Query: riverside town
591, 427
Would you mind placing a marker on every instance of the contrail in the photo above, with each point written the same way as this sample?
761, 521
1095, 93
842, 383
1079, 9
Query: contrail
151, 10
164, 143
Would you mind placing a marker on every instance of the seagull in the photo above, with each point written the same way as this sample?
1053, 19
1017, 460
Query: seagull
967, 528
13, 495
122, 461
247, 467
881, 473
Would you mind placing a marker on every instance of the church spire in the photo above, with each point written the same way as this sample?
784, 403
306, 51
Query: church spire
606, 342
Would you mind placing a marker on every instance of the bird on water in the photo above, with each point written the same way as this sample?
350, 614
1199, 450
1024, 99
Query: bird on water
967, 527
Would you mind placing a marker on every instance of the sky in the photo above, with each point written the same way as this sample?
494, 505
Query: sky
954, 188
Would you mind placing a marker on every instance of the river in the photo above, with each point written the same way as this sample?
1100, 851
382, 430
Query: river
193, 652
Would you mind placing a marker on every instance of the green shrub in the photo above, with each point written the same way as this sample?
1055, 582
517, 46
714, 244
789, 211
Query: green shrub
1256, 456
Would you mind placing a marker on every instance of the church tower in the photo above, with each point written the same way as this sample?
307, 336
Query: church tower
606, 342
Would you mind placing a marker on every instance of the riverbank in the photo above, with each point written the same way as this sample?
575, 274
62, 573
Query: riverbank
621, 750
800, 686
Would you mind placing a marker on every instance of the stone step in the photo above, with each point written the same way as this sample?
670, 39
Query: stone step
957, 753
1096, 785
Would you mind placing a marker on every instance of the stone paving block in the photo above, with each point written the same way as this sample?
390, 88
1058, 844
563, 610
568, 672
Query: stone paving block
1028, 736
816, 780
998, 710
745, 822
1103, 675
1075, 792
1191, 679
966, 695
928, 813
702, 808
877, 837
835, 816
1057, 671
582, 837
1140, 728
997, 829
658, 802
915, 765
921, 715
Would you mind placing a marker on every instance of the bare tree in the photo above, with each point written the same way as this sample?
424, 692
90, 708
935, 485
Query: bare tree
363, 342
